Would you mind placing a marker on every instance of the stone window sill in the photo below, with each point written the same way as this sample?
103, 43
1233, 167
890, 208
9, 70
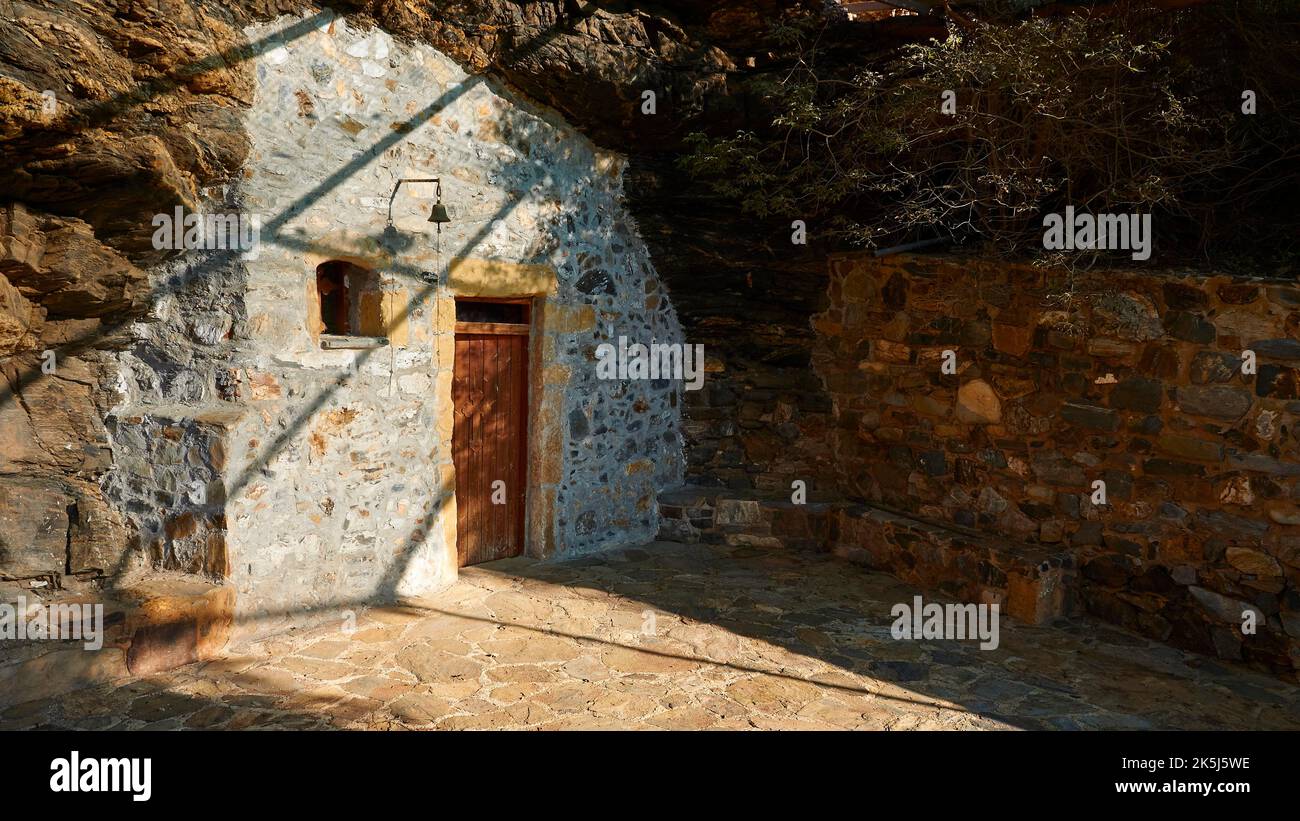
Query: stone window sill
330, 342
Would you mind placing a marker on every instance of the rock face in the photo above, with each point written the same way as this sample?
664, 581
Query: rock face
102, 127
1201, 480
56, 263
745, 293
141, 119
58, 286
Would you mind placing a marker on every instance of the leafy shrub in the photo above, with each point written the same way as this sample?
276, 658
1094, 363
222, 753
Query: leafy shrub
1130, 111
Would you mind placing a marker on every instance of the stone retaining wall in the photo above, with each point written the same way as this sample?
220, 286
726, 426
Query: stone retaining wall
1127, 378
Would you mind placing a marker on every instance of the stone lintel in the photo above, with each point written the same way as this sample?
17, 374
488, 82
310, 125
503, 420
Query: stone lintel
468, 276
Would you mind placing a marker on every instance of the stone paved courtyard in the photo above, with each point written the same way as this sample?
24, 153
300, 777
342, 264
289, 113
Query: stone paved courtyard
677, 637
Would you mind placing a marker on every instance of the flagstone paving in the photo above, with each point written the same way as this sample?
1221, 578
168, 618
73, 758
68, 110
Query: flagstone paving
671, 636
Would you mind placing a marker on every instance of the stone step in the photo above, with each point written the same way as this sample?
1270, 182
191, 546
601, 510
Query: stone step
722, 515
714, 515
1032, 583
149, 625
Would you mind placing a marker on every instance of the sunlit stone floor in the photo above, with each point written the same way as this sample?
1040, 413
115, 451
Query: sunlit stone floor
678, 637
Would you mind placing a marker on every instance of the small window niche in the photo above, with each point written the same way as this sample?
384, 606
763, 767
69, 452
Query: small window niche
347, 295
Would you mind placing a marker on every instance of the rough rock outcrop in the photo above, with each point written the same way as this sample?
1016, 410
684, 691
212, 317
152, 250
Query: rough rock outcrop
58, 284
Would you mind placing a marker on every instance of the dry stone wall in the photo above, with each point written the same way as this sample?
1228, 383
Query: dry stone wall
1133, 380
169, 431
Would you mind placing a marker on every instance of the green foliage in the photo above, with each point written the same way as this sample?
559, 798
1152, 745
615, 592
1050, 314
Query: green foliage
1109, 114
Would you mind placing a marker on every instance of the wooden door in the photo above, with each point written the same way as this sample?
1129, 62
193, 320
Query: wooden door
490, 398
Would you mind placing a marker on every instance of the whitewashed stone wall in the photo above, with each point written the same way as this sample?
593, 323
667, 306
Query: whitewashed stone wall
337, 474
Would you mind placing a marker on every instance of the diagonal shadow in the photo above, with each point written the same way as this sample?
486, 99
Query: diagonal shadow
388, 584
775, 597
650, 651
308, 411
812, 606
104, 111
217, 262
387, 587
429, 611
260, 701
